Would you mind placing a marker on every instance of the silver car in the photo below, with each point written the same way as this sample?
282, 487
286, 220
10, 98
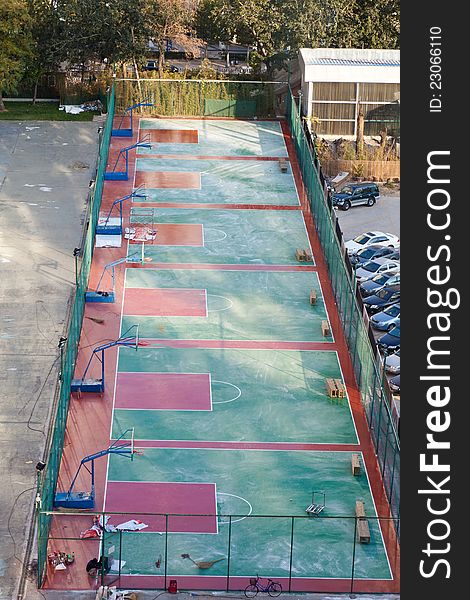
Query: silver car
392, 363
373, 267
386, 319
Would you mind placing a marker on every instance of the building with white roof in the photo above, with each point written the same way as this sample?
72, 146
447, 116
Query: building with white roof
336, 82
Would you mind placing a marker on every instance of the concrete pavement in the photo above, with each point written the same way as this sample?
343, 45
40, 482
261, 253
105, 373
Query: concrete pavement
45, 169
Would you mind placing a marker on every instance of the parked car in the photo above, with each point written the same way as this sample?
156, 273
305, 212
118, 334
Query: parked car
395, 255
385, 297
152, 65
386, 319
371, 286
392, 363
355, 194
372, 237
370, 252
394, 384
376, 266
390, 341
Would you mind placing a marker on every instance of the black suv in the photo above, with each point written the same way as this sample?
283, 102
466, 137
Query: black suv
356, 193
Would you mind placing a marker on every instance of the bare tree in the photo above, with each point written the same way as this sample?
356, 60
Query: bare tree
171, 20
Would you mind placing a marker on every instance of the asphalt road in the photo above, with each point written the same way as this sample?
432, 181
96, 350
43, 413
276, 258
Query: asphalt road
383, 216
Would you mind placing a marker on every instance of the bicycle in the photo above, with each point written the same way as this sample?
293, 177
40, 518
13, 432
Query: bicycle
273, 588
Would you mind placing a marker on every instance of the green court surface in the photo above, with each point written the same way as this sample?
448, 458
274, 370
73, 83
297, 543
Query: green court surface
271, 483
241, 305
224, 181
220, 138
256, 396
263, 237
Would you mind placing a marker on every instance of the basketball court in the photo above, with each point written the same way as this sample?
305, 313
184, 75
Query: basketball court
233, 426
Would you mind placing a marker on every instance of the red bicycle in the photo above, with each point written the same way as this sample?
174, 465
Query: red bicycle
273, 588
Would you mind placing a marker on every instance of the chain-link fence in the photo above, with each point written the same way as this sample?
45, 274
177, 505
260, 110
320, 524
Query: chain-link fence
69, 351
302, 537
199, 98
303, 553
375, 394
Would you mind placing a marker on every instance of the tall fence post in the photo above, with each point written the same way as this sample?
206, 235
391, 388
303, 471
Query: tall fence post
166, 550
291, 552
351, 595
228, 551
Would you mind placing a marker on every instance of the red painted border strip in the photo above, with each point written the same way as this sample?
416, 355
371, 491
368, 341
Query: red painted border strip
219, 206
213, 267
246, 344
201, 582
228, 445
208, 157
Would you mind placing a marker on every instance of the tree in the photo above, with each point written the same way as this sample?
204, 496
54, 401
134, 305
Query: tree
315, 23
47, 31
15, 45
377, 23
171, 20
251, 22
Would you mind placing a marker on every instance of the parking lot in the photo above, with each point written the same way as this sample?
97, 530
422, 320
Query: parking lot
383, 216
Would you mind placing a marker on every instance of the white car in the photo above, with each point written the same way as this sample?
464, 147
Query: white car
392, 363
372, 237
371, 268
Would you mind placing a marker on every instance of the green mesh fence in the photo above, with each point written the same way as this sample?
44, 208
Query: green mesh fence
370, 379
54, 452
300, 551
197, 98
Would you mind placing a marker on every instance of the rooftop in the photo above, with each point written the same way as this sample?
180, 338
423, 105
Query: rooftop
351, 57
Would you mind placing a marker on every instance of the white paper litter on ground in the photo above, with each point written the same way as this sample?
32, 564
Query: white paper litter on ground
45, 189
132, 525
112, 221
117, 565
29, 185
108, 241
71, 109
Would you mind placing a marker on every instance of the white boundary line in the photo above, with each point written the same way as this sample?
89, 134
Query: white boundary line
230, 303
315, 273
240, 518
218, 239
114, 393
376, 518
308, 239
232, 385
357, 442
376, 515
210, 483
170, 409
171, 316
325, 307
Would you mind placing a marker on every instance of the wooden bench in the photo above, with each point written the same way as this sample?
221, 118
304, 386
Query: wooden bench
313, 297
355, 464
363, 532
341, 389
283, 165
331, 387
325, 328
303, 255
